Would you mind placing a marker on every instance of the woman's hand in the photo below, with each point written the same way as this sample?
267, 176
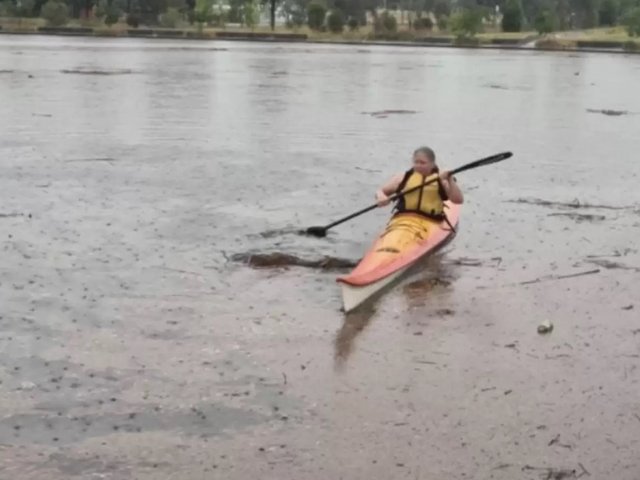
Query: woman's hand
382, 199
446, 175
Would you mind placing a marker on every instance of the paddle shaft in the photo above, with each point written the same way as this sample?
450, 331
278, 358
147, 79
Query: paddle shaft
395, 196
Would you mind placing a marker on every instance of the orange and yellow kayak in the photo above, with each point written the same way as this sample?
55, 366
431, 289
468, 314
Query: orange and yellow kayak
407, 238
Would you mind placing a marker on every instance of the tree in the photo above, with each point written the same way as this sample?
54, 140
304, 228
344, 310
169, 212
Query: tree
423, 23
546, 22
112, 15
632, 22
586, 13
512, 16
202, 13
251, 14
294, 13
335, 21
442, 8
316, 12
609, 13
385, 23
55, 13
466, 23
443, 23
273, 8
171, 18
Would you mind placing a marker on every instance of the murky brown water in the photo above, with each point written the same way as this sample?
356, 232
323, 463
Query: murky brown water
133, 347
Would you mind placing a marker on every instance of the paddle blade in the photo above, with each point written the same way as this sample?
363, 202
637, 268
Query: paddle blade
316, 231
484, 161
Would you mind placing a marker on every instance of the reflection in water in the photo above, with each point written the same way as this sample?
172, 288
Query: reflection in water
354, 323
436, 275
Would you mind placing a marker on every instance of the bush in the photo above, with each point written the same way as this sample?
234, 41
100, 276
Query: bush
512, 16
9, 9
217, 19
295, 17
55, 13
546, 22
353, 24
466, 41
608, 13
133, 20
632, 22
442, 8
631, 46
385, 23
335, 21
554, 44
316, 12
466, 23
443, 23
111, 15
423, 23
250, 14
171, 18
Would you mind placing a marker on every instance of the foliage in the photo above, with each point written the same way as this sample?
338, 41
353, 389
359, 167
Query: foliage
512, 16
466, 23
385, 23
608, 15
335, 21
171, 18
112, 15
133, 20
316, 12
442, 8
546, 22
353, 24
202, 13
631, 46
250, 13
632, 22
55, 12
294, 13
423, 23
24, 8
443, 23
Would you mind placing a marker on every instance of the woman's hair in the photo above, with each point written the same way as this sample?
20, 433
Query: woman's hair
428, 152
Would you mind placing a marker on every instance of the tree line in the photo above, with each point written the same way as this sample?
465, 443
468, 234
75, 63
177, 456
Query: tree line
463, 17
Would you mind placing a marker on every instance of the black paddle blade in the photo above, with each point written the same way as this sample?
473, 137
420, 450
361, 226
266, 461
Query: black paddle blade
316, 231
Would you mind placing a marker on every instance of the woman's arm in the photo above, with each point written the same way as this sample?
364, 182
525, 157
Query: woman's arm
451, 187
389, 188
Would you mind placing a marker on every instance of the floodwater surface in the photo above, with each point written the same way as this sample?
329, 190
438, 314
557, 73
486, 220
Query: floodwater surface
140, 340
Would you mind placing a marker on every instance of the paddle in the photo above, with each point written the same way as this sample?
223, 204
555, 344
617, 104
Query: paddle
322, 231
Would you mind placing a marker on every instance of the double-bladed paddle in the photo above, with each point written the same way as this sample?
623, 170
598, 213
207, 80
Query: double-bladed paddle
322, 231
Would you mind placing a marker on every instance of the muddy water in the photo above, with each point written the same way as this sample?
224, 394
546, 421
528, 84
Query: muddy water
133, 346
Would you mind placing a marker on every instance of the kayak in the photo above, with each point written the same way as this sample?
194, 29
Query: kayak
407, 239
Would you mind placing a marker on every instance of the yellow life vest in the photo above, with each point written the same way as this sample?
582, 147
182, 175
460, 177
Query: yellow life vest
427, 201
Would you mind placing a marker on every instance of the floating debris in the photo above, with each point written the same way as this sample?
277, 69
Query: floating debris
278, 260
580, 217
559, 277
610, 113
609, 265
575, 204
386, 113
545, 327
83, 71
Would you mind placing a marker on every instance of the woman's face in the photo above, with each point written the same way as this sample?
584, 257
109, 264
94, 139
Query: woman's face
422, 163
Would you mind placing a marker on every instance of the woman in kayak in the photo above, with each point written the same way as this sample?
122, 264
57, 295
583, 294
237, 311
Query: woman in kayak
425, 205
428, 200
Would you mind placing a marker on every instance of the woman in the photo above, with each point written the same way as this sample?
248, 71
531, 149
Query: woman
424, 208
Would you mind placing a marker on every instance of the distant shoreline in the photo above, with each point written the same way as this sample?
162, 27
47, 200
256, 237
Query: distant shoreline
585, 46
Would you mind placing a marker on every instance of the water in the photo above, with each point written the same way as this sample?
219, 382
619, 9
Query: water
127, 192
